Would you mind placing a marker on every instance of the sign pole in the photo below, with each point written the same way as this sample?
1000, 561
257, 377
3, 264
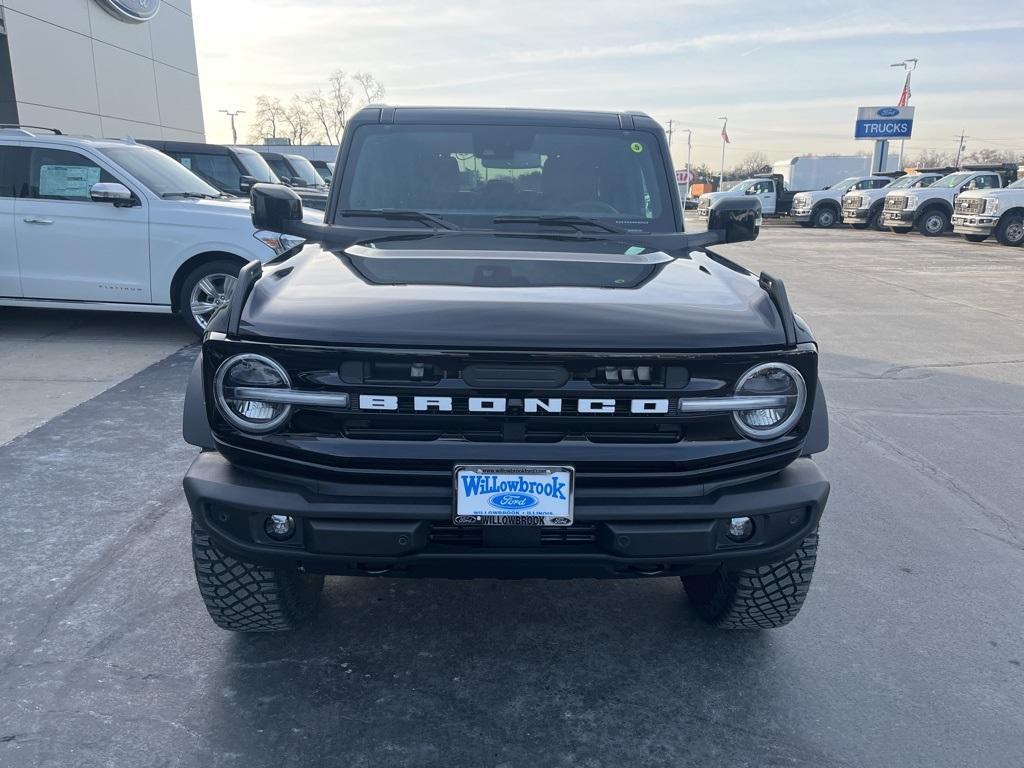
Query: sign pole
725, 139
689, 148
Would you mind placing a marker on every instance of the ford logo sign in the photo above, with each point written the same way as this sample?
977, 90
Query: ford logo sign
509, 502
132, 10
888, 112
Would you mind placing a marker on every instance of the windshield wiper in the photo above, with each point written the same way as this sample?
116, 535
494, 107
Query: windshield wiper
576, 222
189, 195
394, 213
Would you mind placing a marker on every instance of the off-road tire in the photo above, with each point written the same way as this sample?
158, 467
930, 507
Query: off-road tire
928, 223
975, 238
824, 217
764, 597
244, 597
1010, 229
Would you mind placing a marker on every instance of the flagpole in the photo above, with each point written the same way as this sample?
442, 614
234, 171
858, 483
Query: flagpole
910, 65
721, 175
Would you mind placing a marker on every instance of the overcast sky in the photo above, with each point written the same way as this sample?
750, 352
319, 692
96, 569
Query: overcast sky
789, 75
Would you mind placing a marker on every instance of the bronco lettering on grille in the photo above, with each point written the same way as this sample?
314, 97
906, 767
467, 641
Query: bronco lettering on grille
539, 405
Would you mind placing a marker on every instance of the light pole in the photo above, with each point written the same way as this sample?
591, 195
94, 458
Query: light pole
725, 140
229, 113
909, 65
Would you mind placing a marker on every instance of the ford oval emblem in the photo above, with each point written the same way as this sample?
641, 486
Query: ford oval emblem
510, 502
888, 112
132, 10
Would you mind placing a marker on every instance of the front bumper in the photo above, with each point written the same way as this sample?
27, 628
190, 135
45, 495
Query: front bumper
974, 224
898, 218
855, 215
388, 527
801, 214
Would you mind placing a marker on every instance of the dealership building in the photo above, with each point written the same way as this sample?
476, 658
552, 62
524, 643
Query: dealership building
108, 68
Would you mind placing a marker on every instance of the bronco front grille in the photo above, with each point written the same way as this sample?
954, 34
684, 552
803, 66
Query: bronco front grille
895, 203
970, 205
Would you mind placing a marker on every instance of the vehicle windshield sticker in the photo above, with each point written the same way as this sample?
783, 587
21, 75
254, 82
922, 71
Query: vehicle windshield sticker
186, 161
67, 180
636, 146
634, 250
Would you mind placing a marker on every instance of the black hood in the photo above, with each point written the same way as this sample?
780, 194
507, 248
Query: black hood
497, 291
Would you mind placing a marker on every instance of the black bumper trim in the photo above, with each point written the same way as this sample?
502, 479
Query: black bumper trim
363, 529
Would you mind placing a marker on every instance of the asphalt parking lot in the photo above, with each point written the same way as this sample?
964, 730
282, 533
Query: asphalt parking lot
909, 651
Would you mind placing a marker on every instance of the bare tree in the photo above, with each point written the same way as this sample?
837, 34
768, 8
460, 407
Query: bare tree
992, 156
930, 158
267, 118
372, 88
754, 162
298, 119
324, 116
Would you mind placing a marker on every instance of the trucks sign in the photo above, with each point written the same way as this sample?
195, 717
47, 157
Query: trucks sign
879, 123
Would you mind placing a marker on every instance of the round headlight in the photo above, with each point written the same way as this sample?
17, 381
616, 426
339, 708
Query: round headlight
783, 387
248, 372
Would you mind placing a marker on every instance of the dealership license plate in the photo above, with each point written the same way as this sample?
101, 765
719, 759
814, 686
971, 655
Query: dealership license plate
513, 495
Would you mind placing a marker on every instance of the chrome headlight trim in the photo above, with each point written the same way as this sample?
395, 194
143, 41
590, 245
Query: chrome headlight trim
786, 424
228, 413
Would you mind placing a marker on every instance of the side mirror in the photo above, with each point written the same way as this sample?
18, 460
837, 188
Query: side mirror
275, 207
245, 183
737, 218
111, 192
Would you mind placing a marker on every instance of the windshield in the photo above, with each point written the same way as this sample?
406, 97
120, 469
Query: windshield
472, 174
953, 180
904, 182
324, 170
844, 184
256, 166
162, 175
742, 186
1019, 184
305, 170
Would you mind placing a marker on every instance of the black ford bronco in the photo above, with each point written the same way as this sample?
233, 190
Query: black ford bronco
502, 356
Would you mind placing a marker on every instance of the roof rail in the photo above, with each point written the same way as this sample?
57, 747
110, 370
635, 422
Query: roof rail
54, 131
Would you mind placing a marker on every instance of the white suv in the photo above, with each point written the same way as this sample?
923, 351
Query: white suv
107, 224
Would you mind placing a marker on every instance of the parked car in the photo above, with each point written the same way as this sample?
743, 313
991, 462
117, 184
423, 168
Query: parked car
470, 374
769, 189
930, 210
325, 168
115, 225
981, 213
296, 171
823, 208
863, 209
232, 170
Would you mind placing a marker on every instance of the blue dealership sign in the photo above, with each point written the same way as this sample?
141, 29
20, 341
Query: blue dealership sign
879, 123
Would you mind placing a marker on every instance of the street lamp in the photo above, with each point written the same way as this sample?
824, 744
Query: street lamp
229, 113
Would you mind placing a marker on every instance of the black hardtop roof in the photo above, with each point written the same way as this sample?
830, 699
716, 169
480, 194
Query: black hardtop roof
937, 171
503, 116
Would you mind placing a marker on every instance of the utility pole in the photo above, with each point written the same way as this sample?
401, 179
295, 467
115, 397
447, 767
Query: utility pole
229, 113
909, 65
725, 140
689, 149
960, 146
670, 133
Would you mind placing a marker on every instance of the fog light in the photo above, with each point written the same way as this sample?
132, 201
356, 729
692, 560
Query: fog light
740, 528
281, 527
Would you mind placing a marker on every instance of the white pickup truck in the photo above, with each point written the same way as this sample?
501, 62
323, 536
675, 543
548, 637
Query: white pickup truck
979, 214
930, 210
823, 208
863, 209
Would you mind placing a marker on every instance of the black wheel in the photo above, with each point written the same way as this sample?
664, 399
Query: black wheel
933, 223
244, 597
205, 290
825, 217
975, 238
765, 597
875, 219
1010, 229
901, 230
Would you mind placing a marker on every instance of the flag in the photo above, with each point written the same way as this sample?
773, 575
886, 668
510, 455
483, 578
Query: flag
725, 136
905, 96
